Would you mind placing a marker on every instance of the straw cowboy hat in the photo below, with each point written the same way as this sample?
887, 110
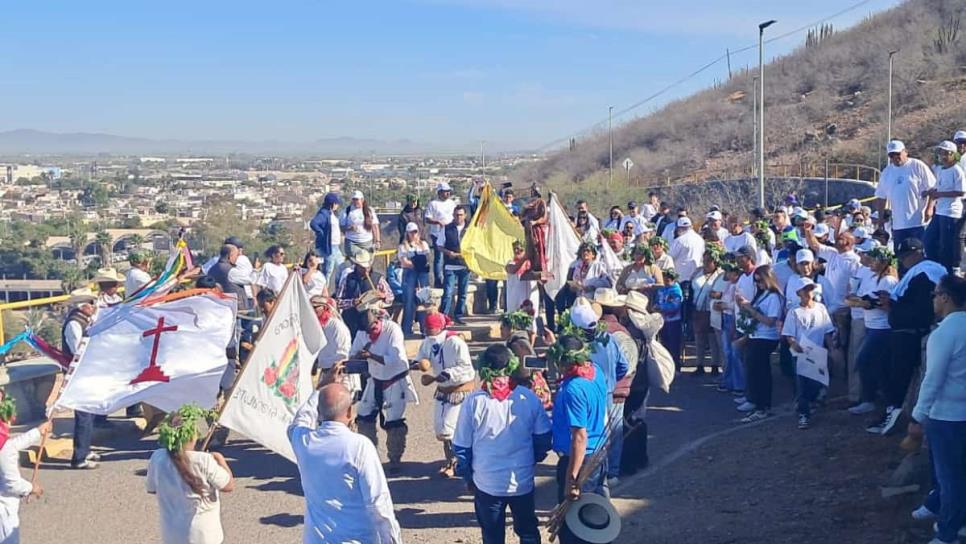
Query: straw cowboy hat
606, 296
107, 275
592, 518
636, 301
362, 258
81, 296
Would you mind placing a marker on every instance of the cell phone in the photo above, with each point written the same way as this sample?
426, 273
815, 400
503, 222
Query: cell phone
532, 361
355, 366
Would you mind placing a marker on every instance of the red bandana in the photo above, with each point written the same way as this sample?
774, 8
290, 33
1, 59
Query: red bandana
500, 388
582, 371
4, 432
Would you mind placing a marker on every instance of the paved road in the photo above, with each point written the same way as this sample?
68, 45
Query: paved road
109, 505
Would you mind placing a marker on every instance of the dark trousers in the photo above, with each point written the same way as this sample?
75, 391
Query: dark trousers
596, 483
83, 430
492, 295
872, 361
898, 235
943, 242
491, 515
906, 356
758, 371
671, 337
947, 459
687, 311
807, 390
437, 265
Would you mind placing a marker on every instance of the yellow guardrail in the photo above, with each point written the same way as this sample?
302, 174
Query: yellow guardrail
387, 254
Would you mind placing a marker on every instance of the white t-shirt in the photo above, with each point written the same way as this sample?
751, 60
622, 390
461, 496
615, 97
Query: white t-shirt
648, 211
746, 285
316, 283
950, 179
687, 251
272, 276
877, 318
638, 222
734, 242
839, 269
812, 323
501, 436
186, 517
770, 304
336, 232
858, 284
791, 293
442, 211
902, 186
134, 279
354, 222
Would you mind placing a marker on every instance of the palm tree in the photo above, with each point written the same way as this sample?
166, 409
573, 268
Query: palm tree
103, 240
78, 242
134, 242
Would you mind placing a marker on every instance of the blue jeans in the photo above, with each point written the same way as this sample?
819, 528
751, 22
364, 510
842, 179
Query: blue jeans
898, 235
412, 281
459, 281
491, 515
329, 265
942, 242
83, 431
437, 265
947, 459
734, 372
807, 390
870, 362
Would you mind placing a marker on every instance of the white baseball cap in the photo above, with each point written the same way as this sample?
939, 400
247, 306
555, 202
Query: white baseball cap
860, 233
805, 283
960, 136
947, 146
358, 194
443, 186
821, 229
895, 146
684, 223
714, 216
804, 256
412, 227
582, 315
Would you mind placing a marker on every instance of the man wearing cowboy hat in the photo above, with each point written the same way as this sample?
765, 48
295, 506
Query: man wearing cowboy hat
389, 388
108, 281
76, 324
361, 288
446, 354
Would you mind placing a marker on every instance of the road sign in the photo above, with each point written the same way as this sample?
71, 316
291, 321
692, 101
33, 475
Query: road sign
628, 164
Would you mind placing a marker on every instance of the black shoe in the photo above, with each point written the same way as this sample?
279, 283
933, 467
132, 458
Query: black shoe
459, 321
698, 372
715, 371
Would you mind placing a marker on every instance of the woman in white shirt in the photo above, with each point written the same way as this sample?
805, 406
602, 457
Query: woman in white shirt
881, 276
187, 482
723, 296
659, 247
641, 275
360, 225
273, 273
614, 220
764, 311
942, 239
413, 255
314, 280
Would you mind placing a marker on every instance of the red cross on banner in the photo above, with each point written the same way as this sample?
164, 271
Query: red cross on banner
153, 372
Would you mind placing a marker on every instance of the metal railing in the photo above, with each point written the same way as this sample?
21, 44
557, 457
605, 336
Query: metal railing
386, 254
831, 170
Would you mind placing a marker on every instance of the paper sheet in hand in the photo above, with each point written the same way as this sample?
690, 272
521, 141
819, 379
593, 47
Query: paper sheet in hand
813, 362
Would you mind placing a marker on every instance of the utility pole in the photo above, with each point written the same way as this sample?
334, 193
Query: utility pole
761, 116
483, 157
892, 55
610, 132
754, 93
728, 54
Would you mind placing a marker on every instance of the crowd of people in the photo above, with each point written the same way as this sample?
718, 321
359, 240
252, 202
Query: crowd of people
848, 296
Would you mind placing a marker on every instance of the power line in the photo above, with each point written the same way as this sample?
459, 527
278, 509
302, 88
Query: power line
665, 89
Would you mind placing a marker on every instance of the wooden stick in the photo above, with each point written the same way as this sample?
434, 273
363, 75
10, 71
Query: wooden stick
40, 454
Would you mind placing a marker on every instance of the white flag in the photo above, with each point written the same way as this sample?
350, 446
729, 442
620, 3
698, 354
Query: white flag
277, 378
562, 245
165, 354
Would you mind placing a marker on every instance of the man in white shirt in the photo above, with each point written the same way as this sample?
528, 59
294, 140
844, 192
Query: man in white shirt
745, 258
960, 140
650, 208
389, 388
713, 224
738, 237
901, 186
583, 207
346, 495
502, 433
842, 263
634, 217
439, 213
687, 250
448, 356
137, 276
76, 324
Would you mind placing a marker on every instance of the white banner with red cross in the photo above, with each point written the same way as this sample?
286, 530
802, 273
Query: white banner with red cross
167, 354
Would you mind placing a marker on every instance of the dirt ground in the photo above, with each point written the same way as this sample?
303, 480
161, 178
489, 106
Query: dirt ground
772, 483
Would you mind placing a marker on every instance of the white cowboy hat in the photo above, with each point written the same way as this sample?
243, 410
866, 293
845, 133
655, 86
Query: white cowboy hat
82, 296
606, 296
636, 301
107, 275
592, 518
362, 258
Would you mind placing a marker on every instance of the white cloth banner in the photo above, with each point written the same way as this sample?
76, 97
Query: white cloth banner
562, 244
277, 378
165, 354
812, 363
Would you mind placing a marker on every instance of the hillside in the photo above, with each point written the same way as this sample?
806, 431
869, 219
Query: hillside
823, 101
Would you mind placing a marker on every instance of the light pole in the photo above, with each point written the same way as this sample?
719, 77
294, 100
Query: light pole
761, 114
892, 54
610, 136
754, 107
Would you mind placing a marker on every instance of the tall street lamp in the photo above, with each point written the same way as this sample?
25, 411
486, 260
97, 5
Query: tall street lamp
892, 55
761, 114
610, 133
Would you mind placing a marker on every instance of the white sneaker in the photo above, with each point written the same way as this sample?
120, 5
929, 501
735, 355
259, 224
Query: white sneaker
757, 415
922, 514
960, 533
892, 417
863, 408
746, 407
611, 482
740, 400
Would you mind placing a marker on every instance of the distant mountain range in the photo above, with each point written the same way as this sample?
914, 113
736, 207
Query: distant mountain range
28, 141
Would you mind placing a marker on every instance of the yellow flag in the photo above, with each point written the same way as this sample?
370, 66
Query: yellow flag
487, 245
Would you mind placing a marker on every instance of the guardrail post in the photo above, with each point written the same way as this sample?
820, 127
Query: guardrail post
3, 339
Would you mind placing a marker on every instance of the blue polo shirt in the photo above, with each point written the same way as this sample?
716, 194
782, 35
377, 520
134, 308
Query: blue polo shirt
580, 403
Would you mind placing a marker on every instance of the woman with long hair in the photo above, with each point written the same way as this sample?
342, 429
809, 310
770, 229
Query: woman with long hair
361, 226
614, 220
314, 280
760, 322
187, 482
878, 274
413, 255
273, 272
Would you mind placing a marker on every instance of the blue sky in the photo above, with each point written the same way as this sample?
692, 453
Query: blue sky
517, 73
